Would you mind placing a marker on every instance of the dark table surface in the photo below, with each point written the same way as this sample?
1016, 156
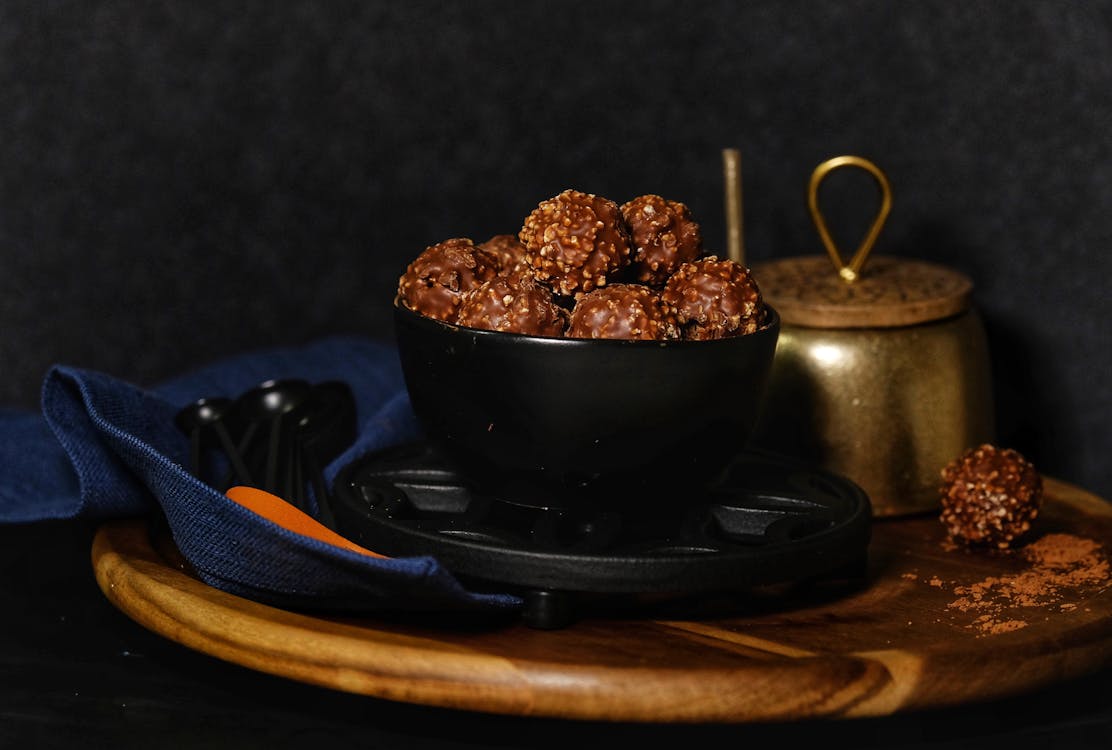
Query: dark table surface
77, 672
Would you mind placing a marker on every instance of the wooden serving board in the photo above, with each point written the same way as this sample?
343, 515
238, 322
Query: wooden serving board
930, 625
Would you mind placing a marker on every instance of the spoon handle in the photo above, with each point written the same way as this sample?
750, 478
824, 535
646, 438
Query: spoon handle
243, 451
273, 456
239, 469
195, 451
320, 489
277, 510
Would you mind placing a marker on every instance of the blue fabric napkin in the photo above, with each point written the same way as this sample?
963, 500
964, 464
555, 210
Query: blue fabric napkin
103, 448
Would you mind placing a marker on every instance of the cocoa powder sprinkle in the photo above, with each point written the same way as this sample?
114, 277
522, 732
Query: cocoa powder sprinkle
1060, 566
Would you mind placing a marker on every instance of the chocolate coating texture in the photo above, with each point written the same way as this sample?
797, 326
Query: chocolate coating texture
507, 250
433, 283
575, 241
664, 237
514, 303
713, 299
990, 496
622, 311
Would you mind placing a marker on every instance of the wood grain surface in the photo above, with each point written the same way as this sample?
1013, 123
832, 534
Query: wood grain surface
928, 625
891, 291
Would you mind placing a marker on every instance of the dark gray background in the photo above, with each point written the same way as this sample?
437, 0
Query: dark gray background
180, 181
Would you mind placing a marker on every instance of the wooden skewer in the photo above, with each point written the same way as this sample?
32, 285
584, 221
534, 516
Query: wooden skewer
731, 163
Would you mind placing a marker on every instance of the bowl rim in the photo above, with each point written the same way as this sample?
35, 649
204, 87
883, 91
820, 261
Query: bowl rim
772, 322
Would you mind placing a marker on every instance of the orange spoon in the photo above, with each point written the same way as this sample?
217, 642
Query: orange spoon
277, 510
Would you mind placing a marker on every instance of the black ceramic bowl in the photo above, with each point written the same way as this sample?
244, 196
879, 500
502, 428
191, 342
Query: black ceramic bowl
584, 414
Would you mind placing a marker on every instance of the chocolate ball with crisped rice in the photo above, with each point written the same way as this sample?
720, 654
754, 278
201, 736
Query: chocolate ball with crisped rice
507, 250
512, 303
622, 311
575, 242
714, 298
664, 237
433, 283
990, 496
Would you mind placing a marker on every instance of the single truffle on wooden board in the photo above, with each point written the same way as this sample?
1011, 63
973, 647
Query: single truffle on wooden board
576, 241
513, 303
664, 236
433, 282
622, 311
990, 496
507, 250
714, 299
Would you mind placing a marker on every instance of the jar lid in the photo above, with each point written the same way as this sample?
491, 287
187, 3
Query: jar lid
807, 291
892, 292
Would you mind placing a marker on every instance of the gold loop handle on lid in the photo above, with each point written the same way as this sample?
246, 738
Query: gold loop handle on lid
852, 270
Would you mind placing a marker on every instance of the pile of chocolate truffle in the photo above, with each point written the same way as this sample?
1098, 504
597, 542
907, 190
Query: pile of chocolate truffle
583, 266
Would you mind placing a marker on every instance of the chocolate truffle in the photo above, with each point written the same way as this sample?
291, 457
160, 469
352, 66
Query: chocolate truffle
507, 250
433, 282
990, 496
575, 241
664, 236
513, 303
713, 299
622, 311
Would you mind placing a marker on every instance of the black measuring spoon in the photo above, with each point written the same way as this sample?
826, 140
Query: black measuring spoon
271, 410
325, 430
202, 416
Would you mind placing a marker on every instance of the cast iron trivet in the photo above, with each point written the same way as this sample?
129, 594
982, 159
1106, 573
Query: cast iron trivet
768, 521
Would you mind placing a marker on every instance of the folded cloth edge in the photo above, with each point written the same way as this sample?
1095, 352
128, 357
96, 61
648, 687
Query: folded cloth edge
122, 437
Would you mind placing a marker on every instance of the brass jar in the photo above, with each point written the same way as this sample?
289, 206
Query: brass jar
880, 374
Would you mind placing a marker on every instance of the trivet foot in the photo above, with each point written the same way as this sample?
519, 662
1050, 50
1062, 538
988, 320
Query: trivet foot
548, 610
